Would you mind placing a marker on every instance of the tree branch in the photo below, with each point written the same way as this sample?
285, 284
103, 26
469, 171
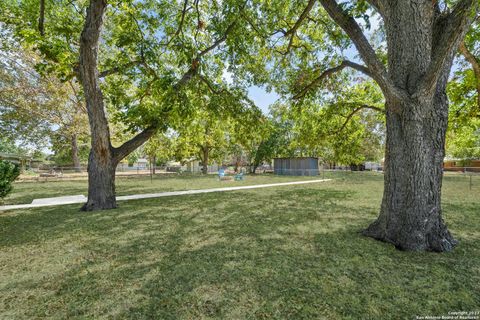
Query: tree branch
199, 20
318, 80
218, 41
180, 25
352, 29
192, 71
117, 69
292, 31
349, 117
475, 66
451, 29
210, 85
132, 144
78, 100
302, 17
379, 5
350, 26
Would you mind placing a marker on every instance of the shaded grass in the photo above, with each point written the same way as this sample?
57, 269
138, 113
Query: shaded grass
282, 253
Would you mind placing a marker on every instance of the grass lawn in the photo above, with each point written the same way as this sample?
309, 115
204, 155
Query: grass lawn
290, 252
25, 192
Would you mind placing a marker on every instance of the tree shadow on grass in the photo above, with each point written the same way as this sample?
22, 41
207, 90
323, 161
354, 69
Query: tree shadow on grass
226, 256
41, 224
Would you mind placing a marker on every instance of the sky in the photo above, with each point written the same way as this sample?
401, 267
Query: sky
262, 98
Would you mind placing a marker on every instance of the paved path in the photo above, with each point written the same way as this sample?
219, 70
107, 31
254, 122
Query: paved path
46, 202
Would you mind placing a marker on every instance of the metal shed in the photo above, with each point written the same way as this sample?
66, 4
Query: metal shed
305, 166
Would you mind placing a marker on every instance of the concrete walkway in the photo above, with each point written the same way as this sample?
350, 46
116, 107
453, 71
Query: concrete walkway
46, 202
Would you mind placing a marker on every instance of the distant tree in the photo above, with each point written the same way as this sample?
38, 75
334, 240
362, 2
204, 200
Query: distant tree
248, 136
69, 150
38, 110
7, 145
205, 137
346, 127
265, 143
160, 148
463, 141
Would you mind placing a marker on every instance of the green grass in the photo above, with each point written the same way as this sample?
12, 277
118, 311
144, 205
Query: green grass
290, 252
25, 192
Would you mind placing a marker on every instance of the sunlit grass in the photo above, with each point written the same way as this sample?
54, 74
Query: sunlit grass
286, 253
25, 192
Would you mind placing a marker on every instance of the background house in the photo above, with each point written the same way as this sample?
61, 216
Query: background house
24, 161
464, 165
195, 166
140, 164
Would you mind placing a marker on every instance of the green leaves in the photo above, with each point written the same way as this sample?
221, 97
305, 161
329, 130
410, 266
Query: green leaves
8, 173
217, 122
464, 142
35, 107
463, 136
359, 10
345, 127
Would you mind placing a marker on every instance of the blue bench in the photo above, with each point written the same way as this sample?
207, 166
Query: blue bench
239, 176
221, 173
222, 176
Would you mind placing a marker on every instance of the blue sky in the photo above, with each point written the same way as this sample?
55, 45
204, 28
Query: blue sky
262, 98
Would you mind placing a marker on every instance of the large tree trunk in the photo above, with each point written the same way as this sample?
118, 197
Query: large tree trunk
411, 212
101, 168
101, 182
422, 41
75, 156
103, 158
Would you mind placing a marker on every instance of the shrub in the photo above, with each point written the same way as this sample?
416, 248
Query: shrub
8, 173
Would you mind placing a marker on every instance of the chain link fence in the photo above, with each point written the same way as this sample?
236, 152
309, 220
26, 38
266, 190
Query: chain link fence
58, 173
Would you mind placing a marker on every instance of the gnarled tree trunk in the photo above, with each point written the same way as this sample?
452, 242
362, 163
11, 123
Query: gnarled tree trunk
411, 212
